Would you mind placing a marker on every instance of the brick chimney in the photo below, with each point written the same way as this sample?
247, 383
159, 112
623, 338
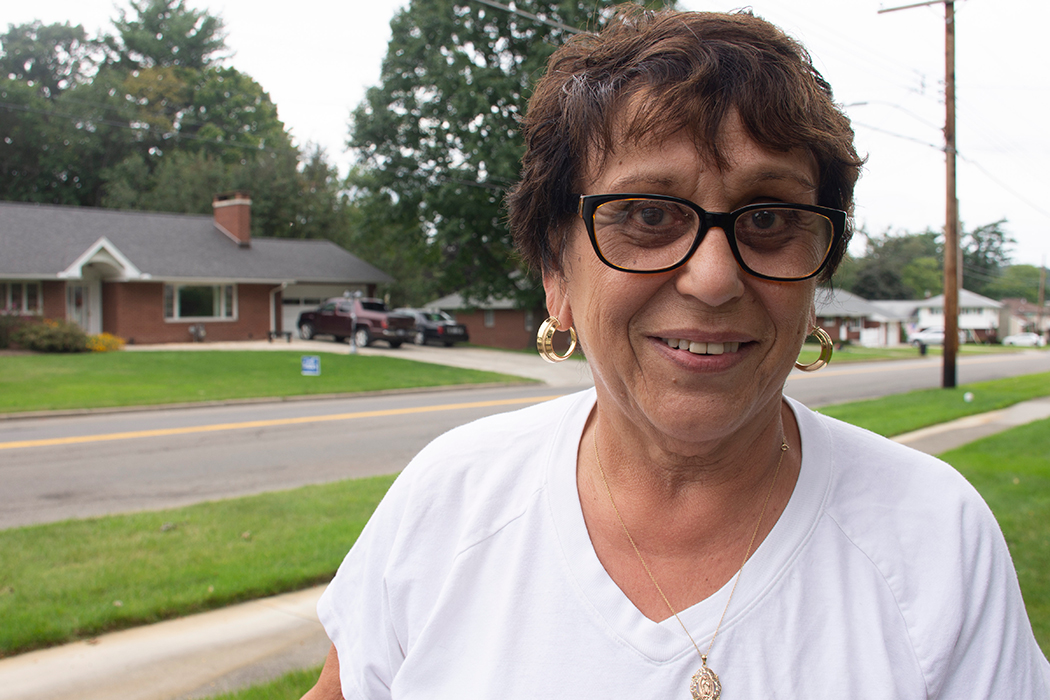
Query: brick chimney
233, 216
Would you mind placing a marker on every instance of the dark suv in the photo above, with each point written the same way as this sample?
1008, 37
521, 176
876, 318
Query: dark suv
436, 326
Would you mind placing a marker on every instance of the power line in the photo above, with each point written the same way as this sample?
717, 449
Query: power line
535, 18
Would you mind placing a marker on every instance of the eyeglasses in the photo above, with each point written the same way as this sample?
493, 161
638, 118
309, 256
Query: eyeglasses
649, 233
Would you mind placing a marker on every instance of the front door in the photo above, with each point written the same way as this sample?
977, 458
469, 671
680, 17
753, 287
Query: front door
84, 305
77, 307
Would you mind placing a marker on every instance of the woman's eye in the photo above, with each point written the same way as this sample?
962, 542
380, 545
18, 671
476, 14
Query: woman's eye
652, 216
764, 219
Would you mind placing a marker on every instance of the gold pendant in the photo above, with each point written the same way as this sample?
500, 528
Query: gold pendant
705, 685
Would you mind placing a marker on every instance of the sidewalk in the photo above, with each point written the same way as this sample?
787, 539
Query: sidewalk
190, 657
222, 650
947, 436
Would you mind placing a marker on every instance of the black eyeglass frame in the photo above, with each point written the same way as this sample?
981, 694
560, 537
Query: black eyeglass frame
706, 220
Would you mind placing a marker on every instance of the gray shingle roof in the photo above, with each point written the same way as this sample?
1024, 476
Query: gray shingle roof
966, 298
839, 302
41, 241
456, 302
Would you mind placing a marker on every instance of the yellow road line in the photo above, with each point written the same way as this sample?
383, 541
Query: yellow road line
163, 432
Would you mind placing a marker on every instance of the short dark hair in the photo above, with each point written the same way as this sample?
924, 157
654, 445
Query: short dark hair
682, 71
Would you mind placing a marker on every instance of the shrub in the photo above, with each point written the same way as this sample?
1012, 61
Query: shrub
51, 336
8, 325
104, 342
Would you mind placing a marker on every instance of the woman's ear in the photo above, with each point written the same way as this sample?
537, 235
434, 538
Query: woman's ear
558, 306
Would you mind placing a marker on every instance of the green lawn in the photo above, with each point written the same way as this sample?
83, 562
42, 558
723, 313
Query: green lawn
902, 413
290, 686
98, 380
79, 578
1012, 472
856, 353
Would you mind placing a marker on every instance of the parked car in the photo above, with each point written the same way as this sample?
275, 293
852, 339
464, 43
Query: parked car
365, 319
932, 336
927, 336
1029, 340
437, 326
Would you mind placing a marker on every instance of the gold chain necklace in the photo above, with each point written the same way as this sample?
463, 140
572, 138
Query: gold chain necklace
705, 684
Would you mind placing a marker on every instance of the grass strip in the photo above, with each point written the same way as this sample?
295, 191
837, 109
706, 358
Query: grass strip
80, 578
856, 353
103, 380
290, 686
1012, 471
902, 413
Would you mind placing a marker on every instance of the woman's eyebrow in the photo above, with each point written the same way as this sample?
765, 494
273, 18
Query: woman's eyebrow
781, 175
630, 182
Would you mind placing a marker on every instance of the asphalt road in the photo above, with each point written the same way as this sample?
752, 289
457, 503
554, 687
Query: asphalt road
72, 467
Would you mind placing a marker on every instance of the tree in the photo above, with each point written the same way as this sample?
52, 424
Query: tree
156, 123
1016, 282
902, 266
384, 230
165, 33
985, 254
50, 57
440, 132
923, 277
228, 113
911, 265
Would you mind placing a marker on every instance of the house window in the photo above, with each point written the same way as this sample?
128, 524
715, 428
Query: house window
20, 298
490, 318
196, 301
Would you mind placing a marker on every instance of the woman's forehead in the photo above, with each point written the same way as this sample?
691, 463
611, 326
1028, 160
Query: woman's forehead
659, 161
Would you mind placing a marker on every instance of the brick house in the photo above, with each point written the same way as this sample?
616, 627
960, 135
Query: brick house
150, 277
849, 318
497, 323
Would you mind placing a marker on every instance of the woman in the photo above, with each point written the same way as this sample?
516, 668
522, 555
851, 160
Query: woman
683, 529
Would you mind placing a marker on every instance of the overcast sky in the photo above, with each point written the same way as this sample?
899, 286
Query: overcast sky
316, 58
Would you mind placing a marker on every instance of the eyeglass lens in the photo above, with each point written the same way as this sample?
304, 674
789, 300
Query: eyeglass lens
652, 234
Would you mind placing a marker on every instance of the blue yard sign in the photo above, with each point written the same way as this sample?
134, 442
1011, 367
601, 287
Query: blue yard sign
311, 365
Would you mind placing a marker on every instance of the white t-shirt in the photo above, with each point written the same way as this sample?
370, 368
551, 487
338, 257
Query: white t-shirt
885, 577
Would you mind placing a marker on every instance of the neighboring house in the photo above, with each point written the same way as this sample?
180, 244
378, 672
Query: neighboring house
848, 317
978, 315
150, 277
901, 309
497, 323
1020, 315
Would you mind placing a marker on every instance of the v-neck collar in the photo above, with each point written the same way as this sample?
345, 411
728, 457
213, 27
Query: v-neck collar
663, 642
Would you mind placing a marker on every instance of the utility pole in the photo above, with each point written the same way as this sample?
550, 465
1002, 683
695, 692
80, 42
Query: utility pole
951, 214
1042, 297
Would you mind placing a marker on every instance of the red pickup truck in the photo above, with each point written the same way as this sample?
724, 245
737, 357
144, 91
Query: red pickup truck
363, 318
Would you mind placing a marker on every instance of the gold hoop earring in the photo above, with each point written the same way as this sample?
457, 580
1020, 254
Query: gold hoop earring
545, 341
826, 347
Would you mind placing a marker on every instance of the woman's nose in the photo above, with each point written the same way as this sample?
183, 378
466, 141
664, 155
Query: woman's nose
712, 274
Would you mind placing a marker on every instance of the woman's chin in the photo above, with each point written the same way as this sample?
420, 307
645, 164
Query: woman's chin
694, 397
